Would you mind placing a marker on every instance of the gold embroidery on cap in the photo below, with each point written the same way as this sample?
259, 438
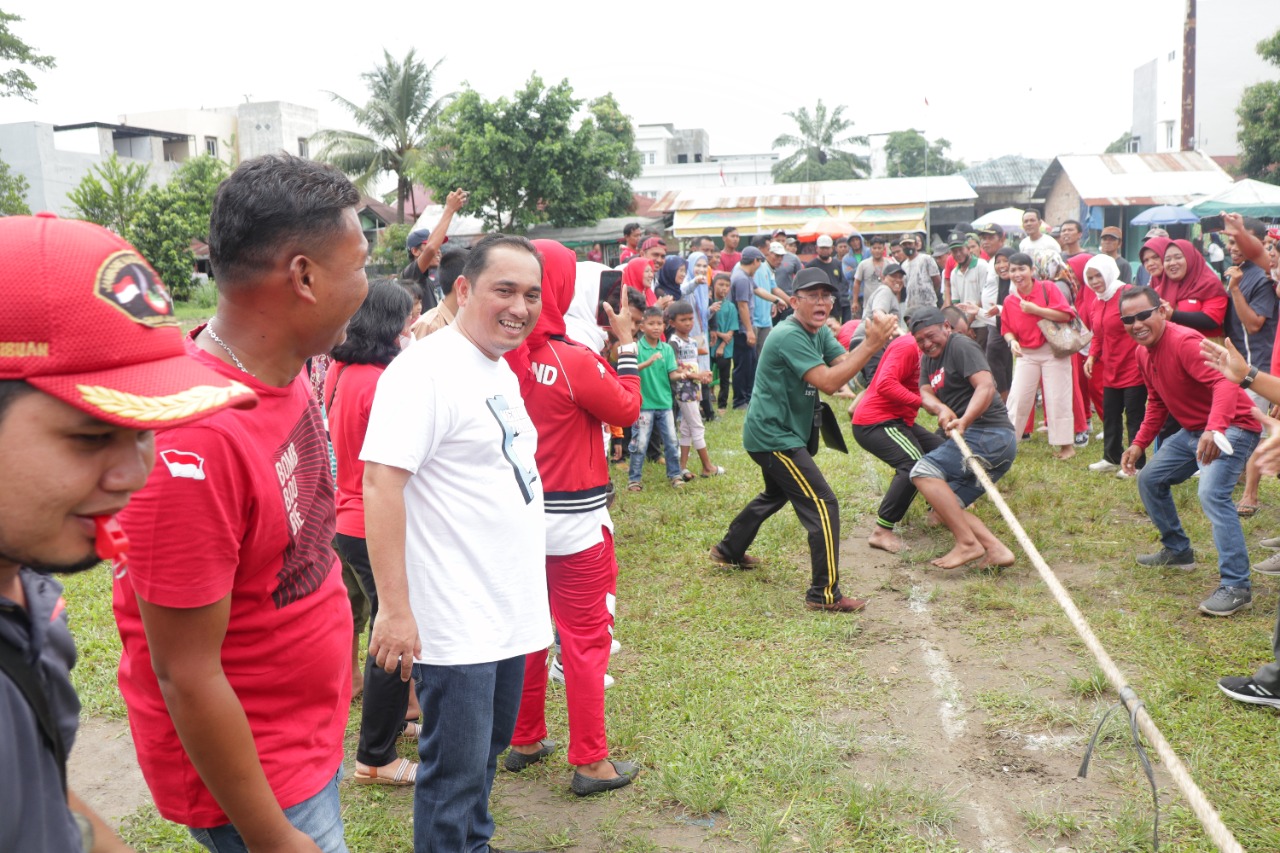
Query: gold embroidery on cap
24, 349
126, 282
184, 404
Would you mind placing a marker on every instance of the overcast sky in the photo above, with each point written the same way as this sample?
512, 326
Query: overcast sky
1036, 79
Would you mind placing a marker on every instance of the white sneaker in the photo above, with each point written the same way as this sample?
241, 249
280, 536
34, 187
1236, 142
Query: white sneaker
1120, 474
615, 647
556, 674
1104, 466
1099, 436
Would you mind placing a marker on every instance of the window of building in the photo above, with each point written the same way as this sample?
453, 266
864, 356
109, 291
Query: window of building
1173, 54
649, 158
211, 146
1135, 144
303, 150
1168, 135
682, 158
697, 158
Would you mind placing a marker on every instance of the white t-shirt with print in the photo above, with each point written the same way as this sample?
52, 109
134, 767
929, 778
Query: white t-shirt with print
475, 549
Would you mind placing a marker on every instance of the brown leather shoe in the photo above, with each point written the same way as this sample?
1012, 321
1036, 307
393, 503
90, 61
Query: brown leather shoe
747, 561
843, 605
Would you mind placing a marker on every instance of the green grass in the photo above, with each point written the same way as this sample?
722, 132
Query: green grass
743, 708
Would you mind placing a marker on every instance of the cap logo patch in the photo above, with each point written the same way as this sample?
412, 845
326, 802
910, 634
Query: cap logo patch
127, 282
158, 410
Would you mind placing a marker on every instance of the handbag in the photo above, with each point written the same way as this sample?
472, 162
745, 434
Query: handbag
1064, 338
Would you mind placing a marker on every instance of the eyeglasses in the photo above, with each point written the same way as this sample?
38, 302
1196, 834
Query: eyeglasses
826, 296
1143, 316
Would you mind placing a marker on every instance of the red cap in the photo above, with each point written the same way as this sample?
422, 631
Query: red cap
87, 320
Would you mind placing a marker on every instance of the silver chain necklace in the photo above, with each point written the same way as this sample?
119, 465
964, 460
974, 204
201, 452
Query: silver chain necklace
213, 336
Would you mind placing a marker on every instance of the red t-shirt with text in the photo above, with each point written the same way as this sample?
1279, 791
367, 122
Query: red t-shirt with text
241, 504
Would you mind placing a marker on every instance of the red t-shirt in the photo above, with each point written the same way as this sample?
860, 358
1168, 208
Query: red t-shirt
241, 504
348, 419
728, 260
1179, 383
1024, 326
894, 392
847, 331
1115, 363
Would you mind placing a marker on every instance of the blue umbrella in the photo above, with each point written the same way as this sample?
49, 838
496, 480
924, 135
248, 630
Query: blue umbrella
1165, 214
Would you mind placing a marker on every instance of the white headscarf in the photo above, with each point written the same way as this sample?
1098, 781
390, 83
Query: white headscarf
580, 317
1106, 267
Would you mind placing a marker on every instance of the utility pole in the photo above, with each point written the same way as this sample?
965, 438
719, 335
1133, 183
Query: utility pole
1189, 78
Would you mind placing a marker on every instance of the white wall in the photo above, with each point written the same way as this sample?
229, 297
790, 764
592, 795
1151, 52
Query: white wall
273, 126
196, 124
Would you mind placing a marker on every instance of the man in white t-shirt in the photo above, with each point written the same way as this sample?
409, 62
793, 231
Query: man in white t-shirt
457, 538
1036, 238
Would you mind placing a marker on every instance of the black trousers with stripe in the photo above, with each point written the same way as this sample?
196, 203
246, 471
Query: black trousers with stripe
899, 446
790, 476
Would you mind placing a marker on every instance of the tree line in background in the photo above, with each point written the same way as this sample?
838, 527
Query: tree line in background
541, 155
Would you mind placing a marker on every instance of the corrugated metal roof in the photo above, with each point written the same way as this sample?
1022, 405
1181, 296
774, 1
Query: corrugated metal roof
1136, 179
873, 192
1007, 171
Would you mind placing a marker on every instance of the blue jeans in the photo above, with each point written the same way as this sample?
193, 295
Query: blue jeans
666, 426
319, 816
469, 712
1174, 462
996, 446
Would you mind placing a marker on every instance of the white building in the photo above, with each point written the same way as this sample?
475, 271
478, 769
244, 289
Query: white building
676, 159
1226, 64
54, 159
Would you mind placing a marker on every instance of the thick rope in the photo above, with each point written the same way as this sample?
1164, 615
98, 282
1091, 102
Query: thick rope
1204, 810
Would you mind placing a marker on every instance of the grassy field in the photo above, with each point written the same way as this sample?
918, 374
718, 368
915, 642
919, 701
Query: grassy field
752, 717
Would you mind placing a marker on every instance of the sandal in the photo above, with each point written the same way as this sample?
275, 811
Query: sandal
411, 731
406, 774
714, 472
635, 487
1245, 510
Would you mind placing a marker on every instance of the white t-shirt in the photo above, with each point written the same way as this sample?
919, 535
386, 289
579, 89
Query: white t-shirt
1044, 241
475, 549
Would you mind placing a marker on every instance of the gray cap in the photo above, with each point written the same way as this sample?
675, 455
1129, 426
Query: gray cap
892, 269
809, 278
751, 254
925, 317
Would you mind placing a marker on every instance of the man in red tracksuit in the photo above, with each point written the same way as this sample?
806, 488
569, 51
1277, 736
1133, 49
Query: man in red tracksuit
569, 392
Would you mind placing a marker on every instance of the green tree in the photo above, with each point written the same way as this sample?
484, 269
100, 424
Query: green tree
16, 81
617, 152
818, 153
1259, 113
1121, 145
13, 192
168, 218
905, 156
397, 118
523, 160
109, 193
387, 256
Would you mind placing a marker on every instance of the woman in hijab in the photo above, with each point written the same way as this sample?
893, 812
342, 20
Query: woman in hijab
695, 290
1113, 363
998, 354
1152, 258
638, 274
1031, 301
671, 276
1193, 289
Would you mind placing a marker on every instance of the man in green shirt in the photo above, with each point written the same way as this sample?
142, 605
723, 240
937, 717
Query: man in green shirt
801, 357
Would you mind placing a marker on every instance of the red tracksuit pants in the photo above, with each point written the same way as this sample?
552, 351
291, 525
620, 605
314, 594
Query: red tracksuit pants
581, 588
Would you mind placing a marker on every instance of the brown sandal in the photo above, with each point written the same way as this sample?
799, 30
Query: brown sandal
406, 773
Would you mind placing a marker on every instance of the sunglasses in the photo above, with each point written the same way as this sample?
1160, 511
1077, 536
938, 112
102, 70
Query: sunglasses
1143, 316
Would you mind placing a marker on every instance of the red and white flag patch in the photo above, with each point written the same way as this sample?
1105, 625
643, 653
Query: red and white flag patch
189, 466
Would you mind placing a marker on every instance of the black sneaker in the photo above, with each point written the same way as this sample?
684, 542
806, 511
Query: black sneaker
1244, 689
1082, 439
1168, 557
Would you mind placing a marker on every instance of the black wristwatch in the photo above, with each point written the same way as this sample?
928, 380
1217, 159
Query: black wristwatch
1249, 377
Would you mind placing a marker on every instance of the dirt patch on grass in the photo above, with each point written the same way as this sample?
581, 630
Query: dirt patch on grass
103, 769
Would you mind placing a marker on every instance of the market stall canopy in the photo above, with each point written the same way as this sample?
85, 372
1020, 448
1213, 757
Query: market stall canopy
1165, 214
1247, 197
876, 205
1007, 218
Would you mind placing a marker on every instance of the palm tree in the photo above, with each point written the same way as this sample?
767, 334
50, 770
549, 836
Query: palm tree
398, 119
818, 154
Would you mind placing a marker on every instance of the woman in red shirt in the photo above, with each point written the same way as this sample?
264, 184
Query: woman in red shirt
373, 339
1030, 302
1112, 363
1193, 289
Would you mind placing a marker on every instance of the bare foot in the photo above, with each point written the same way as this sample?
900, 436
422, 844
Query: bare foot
1066, 452
885, 540
931, 519
958, 556
1001, 556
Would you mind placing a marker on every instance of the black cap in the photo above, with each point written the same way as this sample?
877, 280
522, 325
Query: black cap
808, 279
750, 255
992, 229
892, 269
926, 316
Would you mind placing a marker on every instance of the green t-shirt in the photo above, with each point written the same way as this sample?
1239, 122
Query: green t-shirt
727, 321
655, 380
780, 416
